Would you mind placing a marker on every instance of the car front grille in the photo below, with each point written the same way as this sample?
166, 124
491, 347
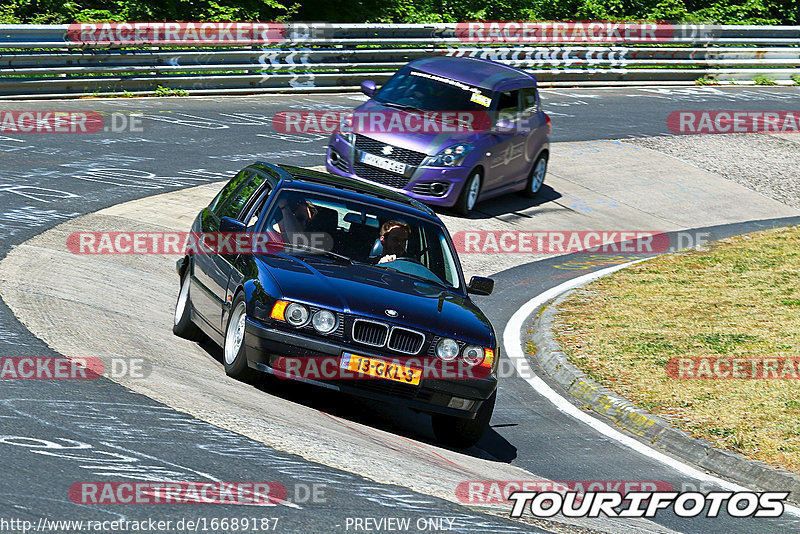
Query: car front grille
406, 341
370, 332
379, 176
403, 155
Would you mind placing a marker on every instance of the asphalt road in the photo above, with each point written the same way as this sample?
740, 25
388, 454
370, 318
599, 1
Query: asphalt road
47, 179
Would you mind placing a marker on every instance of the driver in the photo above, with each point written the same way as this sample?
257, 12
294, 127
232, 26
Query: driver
295, 217
394, 238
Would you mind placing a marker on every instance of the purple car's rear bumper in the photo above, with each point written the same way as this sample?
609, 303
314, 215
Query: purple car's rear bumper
452, 178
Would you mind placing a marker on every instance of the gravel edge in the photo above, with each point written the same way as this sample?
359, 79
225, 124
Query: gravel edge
765, 163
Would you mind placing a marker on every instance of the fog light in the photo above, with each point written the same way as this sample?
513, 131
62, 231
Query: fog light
438, 188
460, 404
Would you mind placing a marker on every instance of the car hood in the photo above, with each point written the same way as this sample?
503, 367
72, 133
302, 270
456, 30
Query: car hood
430, 143
367, 290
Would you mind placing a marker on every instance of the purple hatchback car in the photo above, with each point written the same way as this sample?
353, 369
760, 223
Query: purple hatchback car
451, 169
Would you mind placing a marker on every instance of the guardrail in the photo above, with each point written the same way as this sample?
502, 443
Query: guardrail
47, 60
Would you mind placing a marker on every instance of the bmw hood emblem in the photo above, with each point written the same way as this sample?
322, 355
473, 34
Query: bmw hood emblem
390, 312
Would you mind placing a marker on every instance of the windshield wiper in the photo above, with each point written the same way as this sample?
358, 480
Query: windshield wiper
315, 250
404, 107
431, 281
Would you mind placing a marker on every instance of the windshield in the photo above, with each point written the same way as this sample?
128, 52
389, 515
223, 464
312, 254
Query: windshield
429, 92
313, 224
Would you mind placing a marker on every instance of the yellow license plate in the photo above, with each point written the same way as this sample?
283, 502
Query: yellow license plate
380, 369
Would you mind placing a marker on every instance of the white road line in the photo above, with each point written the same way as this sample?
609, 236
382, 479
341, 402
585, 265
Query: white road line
512, 342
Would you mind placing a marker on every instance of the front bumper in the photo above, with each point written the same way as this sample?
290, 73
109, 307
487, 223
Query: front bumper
263, 345
340, 160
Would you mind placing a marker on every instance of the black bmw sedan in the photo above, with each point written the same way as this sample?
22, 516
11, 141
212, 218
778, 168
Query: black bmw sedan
341, 284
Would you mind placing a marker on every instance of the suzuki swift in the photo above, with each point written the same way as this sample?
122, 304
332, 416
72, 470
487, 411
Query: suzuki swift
450, 169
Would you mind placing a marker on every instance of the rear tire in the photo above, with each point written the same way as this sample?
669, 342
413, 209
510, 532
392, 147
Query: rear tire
233, 350
463, 433
469, 194
182, 325
536, 177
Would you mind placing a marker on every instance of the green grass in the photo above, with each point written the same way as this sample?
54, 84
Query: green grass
740, 298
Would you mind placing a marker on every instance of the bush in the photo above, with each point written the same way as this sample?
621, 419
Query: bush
763, 79
169, 91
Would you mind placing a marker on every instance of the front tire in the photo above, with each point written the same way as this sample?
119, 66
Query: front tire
233, 350
536, 177
469, 194
460, 432
182, 325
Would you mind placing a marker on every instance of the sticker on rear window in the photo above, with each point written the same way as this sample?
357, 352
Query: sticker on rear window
480, 99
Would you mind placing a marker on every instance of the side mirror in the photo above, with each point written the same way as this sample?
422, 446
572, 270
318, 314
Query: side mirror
503, 127
227, 224
368, 88
479, 285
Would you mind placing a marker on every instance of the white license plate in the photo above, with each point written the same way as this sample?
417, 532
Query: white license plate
383, 163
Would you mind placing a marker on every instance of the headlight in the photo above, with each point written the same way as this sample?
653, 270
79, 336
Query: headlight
472, 354
346, 129
449, 157
324, 321
296, 314
447, 349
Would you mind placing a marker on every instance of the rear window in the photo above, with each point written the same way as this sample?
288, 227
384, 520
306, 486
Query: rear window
233, 208
234, 196
229, 189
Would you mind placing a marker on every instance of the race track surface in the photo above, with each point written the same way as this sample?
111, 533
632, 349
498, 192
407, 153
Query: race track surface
94, 306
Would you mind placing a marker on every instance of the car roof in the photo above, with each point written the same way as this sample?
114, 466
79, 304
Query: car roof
475, 71
312, 180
